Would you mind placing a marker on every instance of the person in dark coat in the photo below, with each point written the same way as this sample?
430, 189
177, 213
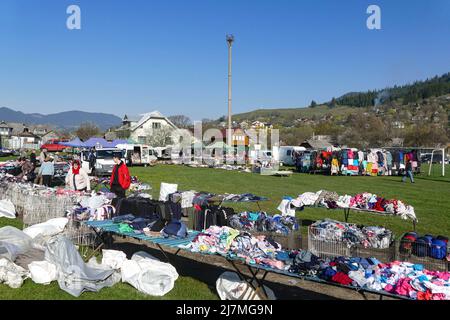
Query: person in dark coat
408, 172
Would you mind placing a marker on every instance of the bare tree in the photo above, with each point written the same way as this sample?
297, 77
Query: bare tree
87, 130
181, 121
159, 137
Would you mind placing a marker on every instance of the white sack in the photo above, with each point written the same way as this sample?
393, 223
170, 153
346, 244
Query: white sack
113, 258
42, 272
230, 287
13, 242
7, 209
47, 229
149, 275
11, 274
166, 189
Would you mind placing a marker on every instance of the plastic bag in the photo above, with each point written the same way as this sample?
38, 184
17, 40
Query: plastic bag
48, 228
149, 275
13, 242
230, 287
42, 272
7, 209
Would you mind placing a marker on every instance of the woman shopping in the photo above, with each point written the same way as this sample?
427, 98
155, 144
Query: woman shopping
46, 171
77, 178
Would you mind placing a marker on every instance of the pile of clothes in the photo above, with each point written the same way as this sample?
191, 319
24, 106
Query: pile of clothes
400, 278
362, 201
232, 243
334, 231
167, 224
262, 222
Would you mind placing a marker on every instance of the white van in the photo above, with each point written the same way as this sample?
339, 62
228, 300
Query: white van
285, 154
140, 154
104, 163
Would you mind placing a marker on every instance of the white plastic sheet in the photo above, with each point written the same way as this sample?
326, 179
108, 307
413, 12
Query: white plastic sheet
13, 242
7, 209
149, 275
166, 189
230, 287
73, 275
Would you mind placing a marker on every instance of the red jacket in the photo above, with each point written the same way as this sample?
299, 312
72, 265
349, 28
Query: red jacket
124, 176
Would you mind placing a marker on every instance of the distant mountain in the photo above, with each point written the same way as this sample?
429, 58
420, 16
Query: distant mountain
66, 120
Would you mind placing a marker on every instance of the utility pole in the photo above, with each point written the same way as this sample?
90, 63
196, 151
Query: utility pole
230, 40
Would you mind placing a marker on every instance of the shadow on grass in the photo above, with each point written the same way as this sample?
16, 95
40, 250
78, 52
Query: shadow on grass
208, 273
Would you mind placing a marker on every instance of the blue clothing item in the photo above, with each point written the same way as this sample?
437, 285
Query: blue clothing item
282, 256
127, 217
47, 169
328, 273
418, 267
253, 216
176, 229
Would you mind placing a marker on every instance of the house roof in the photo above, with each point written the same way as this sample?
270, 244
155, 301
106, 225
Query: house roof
151, 115
316, 144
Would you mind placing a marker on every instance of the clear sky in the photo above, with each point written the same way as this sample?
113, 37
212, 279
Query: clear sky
136, 56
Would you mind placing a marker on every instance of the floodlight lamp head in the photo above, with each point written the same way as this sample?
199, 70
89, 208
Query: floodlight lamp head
230, 39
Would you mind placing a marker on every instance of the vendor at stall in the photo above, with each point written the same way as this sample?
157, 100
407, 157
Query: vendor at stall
120, 178
77, 178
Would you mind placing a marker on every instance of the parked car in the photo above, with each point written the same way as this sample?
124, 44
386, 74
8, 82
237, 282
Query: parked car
437, 158
54, 146
104, 163
6, 152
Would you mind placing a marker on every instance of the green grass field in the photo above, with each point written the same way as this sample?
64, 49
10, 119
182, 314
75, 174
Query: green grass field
429, 195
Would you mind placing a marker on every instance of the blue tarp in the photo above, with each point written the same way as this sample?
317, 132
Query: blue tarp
75, 143
98, 143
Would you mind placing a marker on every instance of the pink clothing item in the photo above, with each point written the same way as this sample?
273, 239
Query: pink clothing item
389, 288
403, 287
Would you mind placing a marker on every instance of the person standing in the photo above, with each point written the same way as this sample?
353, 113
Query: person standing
26, 169
43, 155
77, 178
408, 172
120, 178
92, 159
33, 159
47, 170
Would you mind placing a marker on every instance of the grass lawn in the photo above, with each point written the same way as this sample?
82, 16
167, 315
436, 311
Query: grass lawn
429, 195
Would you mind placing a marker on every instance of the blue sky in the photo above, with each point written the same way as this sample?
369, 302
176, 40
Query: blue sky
140, 55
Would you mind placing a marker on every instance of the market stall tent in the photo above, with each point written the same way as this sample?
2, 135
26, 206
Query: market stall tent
75, 143
97, 143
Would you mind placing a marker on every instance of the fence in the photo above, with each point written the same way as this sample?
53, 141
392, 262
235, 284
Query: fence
37, 205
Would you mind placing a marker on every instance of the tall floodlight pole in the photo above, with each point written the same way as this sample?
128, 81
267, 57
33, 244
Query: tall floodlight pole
230, 40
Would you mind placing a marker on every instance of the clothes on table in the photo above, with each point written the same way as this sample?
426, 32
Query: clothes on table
261, 222
362, 201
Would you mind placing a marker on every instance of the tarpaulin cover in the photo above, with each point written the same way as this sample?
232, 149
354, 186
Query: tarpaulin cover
74, 276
